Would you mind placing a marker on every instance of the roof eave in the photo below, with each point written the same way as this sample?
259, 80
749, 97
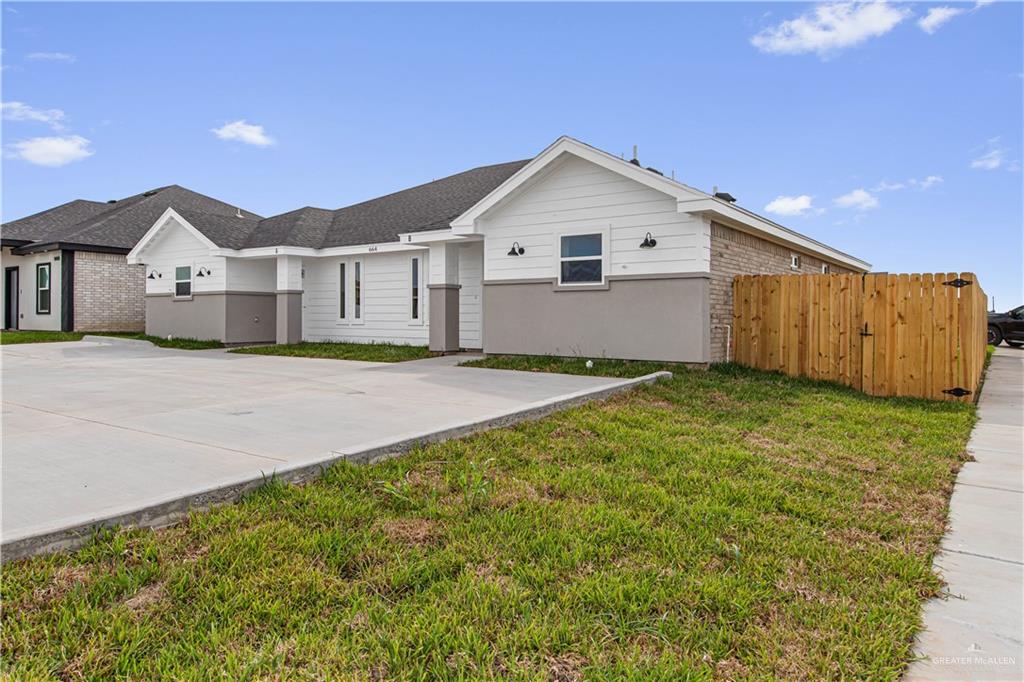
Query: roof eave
38, 247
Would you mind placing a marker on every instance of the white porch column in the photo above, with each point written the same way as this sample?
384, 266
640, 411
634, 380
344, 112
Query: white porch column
289, 299
444, 297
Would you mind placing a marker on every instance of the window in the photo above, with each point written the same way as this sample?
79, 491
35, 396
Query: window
415, 286
341, 292
183, 281
824, 268
43, 289
580, 260
357, 289
794, 261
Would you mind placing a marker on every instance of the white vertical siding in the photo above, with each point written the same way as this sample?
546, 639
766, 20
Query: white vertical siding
387, 300
175, 246
471, 273
578, 196
28, 319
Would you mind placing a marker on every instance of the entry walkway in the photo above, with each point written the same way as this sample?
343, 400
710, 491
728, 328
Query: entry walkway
975, 633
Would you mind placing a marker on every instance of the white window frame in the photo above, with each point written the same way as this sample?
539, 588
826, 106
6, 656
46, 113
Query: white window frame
603, 231
350, 291
190, 280
416, 303
794, 261
48, 288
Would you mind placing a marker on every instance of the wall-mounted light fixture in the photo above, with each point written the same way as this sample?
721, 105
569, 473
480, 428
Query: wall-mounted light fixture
648, 242
516, 250
153, 274
203, 272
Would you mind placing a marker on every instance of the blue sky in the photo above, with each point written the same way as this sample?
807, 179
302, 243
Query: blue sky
891, 131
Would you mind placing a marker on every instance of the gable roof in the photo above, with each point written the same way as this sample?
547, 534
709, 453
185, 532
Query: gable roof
430, 206
116, 225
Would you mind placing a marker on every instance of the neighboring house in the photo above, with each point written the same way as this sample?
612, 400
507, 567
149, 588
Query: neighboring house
66, 268
573, 252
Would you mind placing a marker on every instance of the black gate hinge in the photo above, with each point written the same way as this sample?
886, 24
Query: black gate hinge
958, 283
957, 392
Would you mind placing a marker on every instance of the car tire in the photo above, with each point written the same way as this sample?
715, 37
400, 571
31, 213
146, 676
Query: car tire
995, 337
1016, 344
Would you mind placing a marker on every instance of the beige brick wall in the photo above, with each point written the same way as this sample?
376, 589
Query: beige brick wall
110, 295
738, 253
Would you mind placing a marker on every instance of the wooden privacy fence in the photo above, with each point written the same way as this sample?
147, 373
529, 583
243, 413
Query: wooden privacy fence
886, 335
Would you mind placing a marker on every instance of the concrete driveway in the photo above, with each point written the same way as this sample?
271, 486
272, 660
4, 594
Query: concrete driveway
96, 429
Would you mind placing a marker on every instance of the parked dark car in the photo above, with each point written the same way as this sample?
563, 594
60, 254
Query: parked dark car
1007, 327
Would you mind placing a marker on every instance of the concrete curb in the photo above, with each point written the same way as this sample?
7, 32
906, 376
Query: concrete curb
172, 509
97, 338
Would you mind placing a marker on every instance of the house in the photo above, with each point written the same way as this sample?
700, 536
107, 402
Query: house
572, 252
66, 268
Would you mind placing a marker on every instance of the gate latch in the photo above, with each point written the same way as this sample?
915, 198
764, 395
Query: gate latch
958, 283
957, 392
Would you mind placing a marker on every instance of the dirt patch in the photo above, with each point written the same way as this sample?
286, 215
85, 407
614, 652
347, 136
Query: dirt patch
145, 598
566, 668
64, 580
489, 574
415, 532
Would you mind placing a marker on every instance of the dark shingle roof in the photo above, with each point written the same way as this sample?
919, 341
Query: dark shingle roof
426, 207
119, 224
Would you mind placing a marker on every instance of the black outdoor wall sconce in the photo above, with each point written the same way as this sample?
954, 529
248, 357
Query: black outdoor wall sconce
648, 242
516, 250
153, 274
203, 272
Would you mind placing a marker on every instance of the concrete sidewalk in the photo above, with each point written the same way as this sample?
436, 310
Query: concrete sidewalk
975, 633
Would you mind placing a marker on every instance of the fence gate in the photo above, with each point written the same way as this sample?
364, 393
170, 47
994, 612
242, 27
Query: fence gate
917, 335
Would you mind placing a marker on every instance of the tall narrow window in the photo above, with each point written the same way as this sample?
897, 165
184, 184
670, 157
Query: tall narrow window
183, 281
341, 292
357, 289
43, 289
415, 288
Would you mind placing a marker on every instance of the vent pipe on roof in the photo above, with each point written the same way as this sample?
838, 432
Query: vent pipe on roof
238, 213
636, 159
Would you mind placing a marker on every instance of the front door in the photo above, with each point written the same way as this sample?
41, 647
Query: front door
11, 298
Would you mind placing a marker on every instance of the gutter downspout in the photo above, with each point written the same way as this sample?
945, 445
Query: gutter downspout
728, 339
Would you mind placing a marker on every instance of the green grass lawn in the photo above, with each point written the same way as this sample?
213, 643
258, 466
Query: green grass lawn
552, 363
183, 344
11, 337
368, 352
723, 524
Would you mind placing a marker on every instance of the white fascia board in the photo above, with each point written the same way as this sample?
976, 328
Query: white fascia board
135, 254
305, 252
466, 223
430, 236
745, 219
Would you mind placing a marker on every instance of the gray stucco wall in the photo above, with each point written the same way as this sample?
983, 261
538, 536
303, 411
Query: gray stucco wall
444, 317
663, 318
231, 317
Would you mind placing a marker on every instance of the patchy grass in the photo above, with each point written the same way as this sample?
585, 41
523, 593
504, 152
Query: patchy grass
560, 365
367, 352
182, 344
18, 336
724, 524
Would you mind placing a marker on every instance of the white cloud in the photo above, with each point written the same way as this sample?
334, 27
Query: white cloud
19, 111
52, 57
241, 131
990, 160
885, 186
936, 17
783, 205
859, 199
829, 28
52, 151
929, 181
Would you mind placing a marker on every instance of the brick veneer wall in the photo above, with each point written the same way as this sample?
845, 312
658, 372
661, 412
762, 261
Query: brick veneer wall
738, 253
110, 295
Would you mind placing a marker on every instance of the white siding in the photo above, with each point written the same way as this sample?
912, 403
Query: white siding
251, 274
387, 300
580, 196
471, 272
28, 319
175, 246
